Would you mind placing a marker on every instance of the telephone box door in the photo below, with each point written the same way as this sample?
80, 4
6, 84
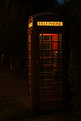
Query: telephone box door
50, 66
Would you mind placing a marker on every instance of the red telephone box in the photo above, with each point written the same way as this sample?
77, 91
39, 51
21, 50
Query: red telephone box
46, 62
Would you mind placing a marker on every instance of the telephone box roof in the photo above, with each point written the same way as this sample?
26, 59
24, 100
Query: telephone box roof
43, 14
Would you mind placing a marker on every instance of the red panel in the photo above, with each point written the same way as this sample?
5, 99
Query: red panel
55, 37
55, 46
48, 34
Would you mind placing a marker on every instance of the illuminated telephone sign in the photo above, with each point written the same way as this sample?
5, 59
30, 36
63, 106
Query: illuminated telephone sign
46, 62
30, 25
49, 23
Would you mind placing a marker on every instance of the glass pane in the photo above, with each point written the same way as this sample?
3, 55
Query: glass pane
40, 37
54, 54
60, 45
55, 45
44, 76
60, 37
54, 62
45, 69
60, 62
60, 73
55, 37
46, 46
60, 54
41, 46
45, 37
46, 53
47, 61
54, 73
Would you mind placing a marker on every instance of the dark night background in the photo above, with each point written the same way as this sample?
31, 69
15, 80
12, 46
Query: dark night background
13, 45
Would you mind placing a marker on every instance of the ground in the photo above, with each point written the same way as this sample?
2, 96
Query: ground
11, 84
14, 105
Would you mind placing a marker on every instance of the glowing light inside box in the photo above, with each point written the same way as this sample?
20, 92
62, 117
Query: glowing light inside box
49, 23
30, 25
